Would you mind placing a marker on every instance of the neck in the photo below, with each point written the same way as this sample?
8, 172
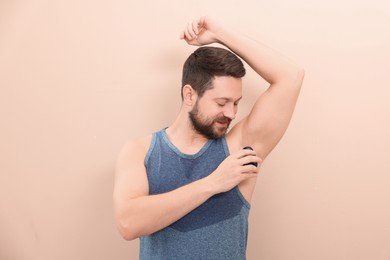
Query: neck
182, 134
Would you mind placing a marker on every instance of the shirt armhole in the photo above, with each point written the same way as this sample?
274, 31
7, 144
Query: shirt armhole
225, 147
151, 147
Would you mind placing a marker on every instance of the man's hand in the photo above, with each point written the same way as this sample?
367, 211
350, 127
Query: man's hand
201, 31
235, 169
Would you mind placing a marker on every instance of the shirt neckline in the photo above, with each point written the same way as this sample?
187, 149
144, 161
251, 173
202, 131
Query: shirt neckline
181, 154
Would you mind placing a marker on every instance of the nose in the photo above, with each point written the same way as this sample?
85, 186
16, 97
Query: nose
230, 112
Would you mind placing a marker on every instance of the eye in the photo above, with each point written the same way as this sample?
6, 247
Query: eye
220, 104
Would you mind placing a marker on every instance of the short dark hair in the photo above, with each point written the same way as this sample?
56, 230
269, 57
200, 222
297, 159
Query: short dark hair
205, 63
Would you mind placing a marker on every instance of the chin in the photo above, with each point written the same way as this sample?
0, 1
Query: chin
220, 133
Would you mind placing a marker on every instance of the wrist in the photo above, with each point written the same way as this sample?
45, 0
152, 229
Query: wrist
207, 186
220, 35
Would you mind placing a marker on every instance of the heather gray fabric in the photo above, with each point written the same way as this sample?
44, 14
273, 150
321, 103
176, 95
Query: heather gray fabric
215, 230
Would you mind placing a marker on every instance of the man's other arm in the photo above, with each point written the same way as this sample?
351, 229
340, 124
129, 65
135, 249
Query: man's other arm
137, 213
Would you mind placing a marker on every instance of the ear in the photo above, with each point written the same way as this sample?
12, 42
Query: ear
189, 95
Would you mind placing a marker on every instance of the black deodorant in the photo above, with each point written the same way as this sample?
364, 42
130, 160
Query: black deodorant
250, 148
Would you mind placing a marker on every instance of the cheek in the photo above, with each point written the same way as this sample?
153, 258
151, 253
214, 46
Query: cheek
213, 116
210, 111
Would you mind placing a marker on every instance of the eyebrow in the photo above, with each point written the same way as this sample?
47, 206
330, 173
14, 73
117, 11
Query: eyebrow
228, 99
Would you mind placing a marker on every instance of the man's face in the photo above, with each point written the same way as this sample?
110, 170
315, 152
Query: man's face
213, 112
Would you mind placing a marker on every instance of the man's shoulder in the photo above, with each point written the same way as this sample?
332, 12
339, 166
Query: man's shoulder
136, 147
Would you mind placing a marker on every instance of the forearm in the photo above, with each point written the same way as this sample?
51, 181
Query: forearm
268, 63
147, 214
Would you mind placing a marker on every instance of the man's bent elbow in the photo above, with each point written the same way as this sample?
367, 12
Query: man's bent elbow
127, 231
301, 74
127, 225
298, 78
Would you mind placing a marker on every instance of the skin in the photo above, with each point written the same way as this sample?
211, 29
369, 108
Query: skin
137, 213
221, 109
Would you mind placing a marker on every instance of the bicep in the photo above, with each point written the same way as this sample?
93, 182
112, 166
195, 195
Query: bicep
270, 116
130, 176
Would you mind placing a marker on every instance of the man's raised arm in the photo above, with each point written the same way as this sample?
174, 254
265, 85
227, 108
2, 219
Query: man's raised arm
267, 122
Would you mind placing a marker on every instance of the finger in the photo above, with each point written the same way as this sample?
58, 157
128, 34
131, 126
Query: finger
181, 36
185, 33
191, 31
250, 159
243, 153
250, 169
187, 36
247, 176
195, 26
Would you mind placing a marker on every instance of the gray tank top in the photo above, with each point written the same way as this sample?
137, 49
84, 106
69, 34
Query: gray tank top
217, 229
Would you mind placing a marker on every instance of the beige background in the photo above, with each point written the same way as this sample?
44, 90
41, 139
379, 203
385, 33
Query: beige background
79, 78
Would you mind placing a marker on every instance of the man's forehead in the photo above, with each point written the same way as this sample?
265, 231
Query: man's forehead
226, 80
227, 88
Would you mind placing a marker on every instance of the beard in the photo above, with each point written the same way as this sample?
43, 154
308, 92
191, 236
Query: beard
208, 127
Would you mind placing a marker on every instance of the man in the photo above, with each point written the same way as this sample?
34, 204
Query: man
185, 190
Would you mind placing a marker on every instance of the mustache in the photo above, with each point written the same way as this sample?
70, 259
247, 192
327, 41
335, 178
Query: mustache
223, 119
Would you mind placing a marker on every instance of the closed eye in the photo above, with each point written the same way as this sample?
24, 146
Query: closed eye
223, 101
